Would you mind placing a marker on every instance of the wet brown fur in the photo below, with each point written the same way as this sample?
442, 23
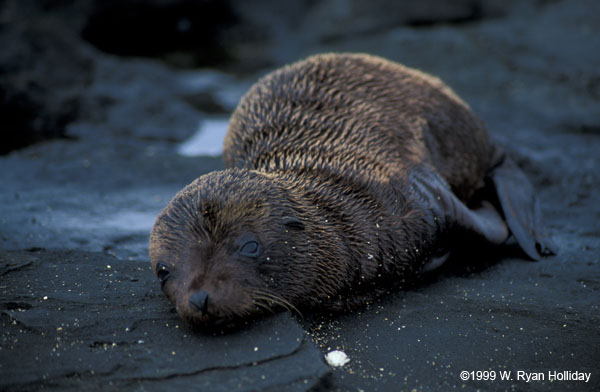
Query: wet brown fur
319, 156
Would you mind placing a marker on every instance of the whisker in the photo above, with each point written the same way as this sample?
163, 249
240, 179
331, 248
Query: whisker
270, 302
273, 299
263, 306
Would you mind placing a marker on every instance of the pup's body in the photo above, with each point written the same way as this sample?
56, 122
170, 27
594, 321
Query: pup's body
346, 172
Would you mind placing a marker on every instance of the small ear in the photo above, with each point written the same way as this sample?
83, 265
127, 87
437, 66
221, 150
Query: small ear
293, 223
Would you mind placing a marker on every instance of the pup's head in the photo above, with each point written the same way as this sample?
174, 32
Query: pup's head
235, 243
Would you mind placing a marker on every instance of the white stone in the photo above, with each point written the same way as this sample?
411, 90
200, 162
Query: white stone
337, 358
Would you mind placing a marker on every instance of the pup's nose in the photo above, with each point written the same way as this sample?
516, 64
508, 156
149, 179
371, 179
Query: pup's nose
199, 301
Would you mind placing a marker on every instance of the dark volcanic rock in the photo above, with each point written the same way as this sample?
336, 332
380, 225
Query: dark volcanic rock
183, 32
51, 78
43, 70
78, 320
100, 193
48, 62
504, 318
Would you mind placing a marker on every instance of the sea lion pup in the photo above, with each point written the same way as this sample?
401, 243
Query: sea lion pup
346, 173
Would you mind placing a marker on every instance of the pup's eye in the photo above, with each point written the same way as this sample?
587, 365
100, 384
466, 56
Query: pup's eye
162, 272
250, 249
293, 223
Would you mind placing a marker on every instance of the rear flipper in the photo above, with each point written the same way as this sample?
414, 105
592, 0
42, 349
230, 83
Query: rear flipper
522, 215
521, 209
448, 214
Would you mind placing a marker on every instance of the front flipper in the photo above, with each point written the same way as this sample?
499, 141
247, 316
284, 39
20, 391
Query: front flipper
521, 209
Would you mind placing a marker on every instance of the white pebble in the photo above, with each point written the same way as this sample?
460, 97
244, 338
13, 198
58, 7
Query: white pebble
337, 358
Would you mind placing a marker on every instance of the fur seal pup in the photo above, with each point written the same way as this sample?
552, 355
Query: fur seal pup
346, 173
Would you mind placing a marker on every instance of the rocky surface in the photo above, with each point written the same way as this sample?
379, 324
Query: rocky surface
79, 306
88, 321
